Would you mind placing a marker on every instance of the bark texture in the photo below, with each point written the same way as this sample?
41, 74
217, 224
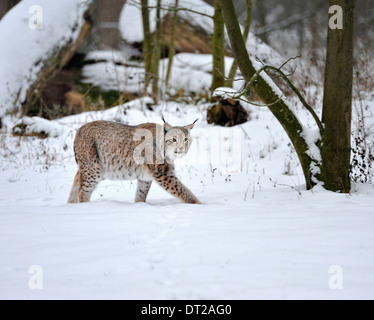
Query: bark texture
337, 102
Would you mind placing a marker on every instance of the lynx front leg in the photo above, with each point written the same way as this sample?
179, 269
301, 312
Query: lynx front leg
165, 177
142, 190
176, 188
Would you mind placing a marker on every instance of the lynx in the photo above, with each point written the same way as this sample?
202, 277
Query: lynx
108, 150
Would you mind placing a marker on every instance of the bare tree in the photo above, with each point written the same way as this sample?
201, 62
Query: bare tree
337, 102
247, 26
218, 77
315, 156
171, 43
147, 43
156, 54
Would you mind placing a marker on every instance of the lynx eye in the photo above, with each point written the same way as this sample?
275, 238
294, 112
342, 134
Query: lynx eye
185, 139
174, 140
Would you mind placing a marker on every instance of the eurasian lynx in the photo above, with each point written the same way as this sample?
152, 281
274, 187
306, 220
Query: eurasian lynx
108, 150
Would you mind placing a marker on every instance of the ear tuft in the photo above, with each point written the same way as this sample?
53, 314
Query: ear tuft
189, 127
167, 126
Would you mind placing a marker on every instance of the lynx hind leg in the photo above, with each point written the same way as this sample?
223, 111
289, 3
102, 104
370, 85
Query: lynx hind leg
142, 190
172, 184
73, 198
90, 176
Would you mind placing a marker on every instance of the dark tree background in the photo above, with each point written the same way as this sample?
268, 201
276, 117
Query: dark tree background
291, 27
301, 24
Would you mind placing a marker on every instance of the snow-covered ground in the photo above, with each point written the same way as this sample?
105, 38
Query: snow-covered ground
258, 233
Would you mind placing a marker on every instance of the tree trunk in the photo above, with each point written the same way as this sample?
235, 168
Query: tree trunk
147, 44
331, 166
247, 27
12, 3
171, 44
156, 54
218, 78
337, 102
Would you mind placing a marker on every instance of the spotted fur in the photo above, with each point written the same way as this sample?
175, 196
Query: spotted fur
108, 150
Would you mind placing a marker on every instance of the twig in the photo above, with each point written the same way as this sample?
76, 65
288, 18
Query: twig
294, 89
292, 58
286, 185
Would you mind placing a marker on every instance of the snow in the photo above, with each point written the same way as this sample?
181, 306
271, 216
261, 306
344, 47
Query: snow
312, 136
225, 93
258, 234
110, 76
190, 73
115, 56
20, 70
173, 251
257, 65
130, 22
37, 124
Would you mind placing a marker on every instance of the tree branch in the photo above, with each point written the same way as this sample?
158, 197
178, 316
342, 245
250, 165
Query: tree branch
290, 84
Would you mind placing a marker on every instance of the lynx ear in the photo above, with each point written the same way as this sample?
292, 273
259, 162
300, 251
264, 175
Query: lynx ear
167, 126
189, 127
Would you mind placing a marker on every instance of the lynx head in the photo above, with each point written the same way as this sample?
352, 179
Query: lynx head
177, 140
